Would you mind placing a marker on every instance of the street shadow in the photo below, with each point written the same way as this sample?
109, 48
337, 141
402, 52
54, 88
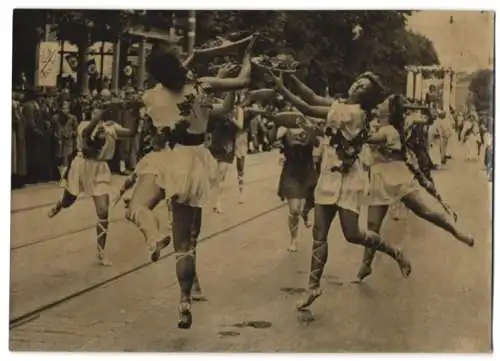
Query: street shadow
364, 288
253, 324
293, 291
305, 317
228, 333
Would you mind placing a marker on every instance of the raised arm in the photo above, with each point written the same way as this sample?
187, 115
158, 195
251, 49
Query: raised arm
221, 110
305, 108
219, 83
301, 105
308, 94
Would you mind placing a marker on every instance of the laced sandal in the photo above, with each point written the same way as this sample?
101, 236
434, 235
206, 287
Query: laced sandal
467, 240
54, 210
293, 247
404, 264
101, 257
364, 271
311, 296
185, 317
157, 244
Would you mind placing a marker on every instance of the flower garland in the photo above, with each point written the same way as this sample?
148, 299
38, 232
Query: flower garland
156, 139
347, 150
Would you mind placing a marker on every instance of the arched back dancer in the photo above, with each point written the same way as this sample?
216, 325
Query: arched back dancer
341, 183
394, 177
298, 177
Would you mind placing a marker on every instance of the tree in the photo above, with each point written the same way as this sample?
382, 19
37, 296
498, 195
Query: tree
482, 89
323, 42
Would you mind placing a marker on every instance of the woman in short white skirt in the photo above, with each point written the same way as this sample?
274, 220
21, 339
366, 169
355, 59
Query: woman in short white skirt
184, 171
89, 173
391, 180
341, 182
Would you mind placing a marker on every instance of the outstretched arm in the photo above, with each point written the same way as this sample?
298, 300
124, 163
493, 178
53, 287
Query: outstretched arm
219, 83
308, 94
301, 105
221, 110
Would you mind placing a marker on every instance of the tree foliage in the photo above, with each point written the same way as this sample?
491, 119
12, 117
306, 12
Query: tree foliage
323, 42
482, 89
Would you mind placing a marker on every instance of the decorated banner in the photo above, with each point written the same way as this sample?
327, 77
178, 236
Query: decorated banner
48, 64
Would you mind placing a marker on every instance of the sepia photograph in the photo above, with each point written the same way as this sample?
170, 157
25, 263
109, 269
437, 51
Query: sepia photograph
252, 181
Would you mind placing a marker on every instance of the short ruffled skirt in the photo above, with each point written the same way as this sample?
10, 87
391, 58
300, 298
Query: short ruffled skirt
390, 182
188, 173
346, 190
88, 176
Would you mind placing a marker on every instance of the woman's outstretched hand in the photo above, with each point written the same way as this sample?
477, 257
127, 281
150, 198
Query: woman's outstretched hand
277, 80
227, 70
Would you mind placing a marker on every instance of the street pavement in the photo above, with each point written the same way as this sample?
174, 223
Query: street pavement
251, 282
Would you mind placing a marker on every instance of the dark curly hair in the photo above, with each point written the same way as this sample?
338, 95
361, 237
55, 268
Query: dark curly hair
377, 93
165, 67
348, 150
398, 104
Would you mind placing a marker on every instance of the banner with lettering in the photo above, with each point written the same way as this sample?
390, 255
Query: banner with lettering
48, 64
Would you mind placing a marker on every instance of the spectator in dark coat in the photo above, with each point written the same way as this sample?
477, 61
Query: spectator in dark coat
19, 156
34, 136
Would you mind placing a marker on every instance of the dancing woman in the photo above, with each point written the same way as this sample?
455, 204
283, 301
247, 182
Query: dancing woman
298, 177
89, 173
185, 170
394, 178
229, 140
341, 181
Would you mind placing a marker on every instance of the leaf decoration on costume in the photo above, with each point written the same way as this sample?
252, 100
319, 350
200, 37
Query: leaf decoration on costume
347, 150
186, 106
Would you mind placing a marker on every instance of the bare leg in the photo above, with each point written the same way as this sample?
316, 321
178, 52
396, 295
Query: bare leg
376, 216
222, 170
350, 228
430, 210
294, 207
196, 292
145, 197
101, 206
66, 201
323, 217
184, 217
240, 168
308, 205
